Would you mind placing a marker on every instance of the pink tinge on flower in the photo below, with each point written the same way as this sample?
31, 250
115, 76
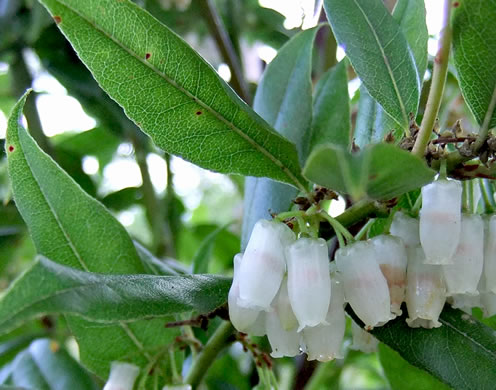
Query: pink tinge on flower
309, 281
365, 287
440, 220
426, 291
392, 259
462, 277
264, 264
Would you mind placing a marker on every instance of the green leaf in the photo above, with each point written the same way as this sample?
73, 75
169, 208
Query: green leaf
461, 353
403, 376
410, 15
169, 91
474, 46
45, 365
372, 123
379, 53
73, 229
204, 252
331, 118
284, 100
379, 171
50, 288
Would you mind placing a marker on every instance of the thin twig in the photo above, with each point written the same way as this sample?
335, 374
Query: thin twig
439, 73
226, 49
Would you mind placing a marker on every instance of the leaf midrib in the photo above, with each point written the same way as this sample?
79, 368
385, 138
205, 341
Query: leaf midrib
388, 67
195, 99
126, 329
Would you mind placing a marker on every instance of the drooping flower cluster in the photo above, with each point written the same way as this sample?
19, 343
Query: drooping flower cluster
285, 287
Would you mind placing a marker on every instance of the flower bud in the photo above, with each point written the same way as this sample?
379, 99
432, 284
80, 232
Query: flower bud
122, 376
392, 259
283, 342
241, 317
462, 277
309, 282
490, 255
425, 292
440, 220
323, 342
362, 341
365, 287
406, 228
264, 264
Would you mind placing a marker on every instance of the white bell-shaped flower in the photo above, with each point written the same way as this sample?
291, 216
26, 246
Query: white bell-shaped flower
283, 342
241, 317
264, 264
362, 341
309, 281
488, 303
282, 306
425, 292
440, 220
465, 302
462, 277
365, 287
122, 376
392, 259
406, 228
323, 342
490, 255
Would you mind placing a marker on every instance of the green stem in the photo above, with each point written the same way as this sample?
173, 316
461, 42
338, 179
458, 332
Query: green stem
289, 214
219, 340
465, 197
226, 49
488, 199
471, 201
337, 226
153, 206
364, 229
439, 73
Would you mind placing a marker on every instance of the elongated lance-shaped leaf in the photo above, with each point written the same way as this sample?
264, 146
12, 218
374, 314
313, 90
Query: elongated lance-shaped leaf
474, 46
170, 92
284, 100
51, 288
331, 109
75, 230
372, 123
379, 52
461, 353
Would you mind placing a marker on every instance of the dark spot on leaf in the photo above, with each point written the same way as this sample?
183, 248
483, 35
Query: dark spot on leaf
373, 177
199, 112
11, 148
57, 19
147, 55
456, 4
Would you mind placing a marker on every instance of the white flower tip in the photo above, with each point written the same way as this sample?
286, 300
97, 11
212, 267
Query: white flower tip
122, 376
423, 323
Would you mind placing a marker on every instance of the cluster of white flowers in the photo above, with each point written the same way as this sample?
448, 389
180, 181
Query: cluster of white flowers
285, 287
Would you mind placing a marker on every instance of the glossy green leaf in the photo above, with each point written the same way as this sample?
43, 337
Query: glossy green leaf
169, 91
461, 353
474, 47
379, 53
50, 288
331, 116
372, 123
73, 229
45, 365
379, 171
403, 376
284, 100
